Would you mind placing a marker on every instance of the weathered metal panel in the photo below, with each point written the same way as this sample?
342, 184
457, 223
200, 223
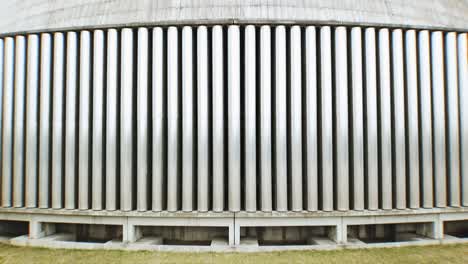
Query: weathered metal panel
425, 93
250, 128
411, 66
142, 120
71, 120
311, 146
341, 116
173, 117
58, 121
98, 121
45, 109
438, 113
233, 121
326, 113
281, 165
111, 120
32, 117
385, 169
84, 125
126, 120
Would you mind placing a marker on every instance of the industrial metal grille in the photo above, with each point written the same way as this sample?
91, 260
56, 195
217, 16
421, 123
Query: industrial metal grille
235, 118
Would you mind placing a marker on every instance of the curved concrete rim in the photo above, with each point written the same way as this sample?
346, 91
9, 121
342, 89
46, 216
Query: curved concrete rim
42, 15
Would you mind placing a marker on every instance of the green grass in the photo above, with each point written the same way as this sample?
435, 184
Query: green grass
426, 254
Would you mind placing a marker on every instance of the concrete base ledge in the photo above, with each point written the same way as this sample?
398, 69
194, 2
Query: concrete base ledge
46, 229
25, 241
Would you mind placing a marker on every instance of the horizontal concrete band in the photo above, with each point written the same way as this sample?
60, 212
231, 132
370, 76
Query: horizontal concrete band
41, 233
42, 15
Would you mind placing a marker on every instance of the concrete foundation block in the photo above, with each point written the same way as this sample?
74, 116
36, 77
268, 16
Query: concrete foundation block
410, 237
20, 241
150, 240
249, 241
219, 241
60, 237
355, 241
451, 238
320, 241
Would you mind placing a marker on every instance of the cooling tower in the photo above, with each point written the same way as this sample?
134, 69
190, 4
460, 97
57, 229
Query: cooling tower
233, 125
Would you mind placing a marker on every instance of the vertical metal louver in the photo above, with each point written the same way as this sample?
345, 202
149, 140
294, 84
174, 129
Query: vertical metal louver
234, 118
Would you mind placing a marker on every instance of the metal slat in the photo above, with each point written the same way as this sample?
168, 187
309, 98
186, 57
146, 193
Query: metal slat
371, 119
142, 120
187, 120
357, 119
84, 126
2, 56
453, 136
98, 120
385, 120
7, 120
218, 118
326, 118
265, 118
18, 121
32, 96
234, 129
411, 64
399, 118
159, 118
44, 120
173, 131
296, 119
250, 142
424, 62
311, 118
58, 120
463, 90
111, 120
203, 140
281, 166
438, 95
126, 120
341, 104
71, 120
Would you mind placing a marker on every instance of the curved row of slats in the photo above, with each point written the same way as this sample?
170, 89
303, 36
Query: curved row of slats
231, 118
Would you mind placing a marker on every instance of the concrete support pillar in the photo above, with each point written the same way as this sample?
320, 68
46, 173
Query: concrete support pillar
338, 233
234, 235
131, 233
38, 229
434, 230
